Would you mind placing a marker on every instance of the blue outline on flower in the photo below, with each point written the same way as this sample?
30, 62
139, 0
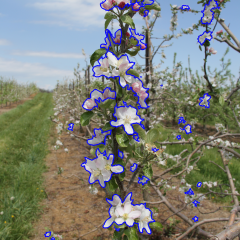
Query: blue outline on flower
46, 234
202, 99
120, 198
102, 58
53, 238
148, 222
210, 10
122, 125
117, 229
120, 154
195, 203
99, 100
189, 192
205, 38
127, 84
140, 35
126, 5
133, 167
195, 219
94, 135
71, 127
144, 180
131, 200
199, 184
178, 137
181, 120
186, 7
154, 149
105, 155
136, 95
190, 131
136, 137
145, 15
142, 4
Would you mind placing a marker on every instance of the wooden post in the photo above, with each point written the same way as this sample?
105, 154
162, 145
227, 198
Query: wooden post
6, 92
147, 78
90, 128
88, 81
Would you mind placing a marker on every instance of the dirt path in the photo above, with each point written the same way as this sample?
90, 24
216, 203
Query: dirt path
9, 107
72, 211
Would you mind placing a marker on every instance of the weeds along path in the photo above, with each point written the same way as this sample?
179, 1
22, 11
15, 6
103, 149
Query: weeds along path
73, 212
24, 132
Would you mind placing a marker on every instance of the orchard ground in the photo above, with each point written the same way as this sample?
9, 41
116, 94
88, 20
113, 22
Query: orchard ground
72, 211
66, 205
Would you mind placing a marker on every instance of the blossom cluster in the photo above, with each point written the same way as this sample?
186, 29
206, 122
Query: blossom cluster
128, 213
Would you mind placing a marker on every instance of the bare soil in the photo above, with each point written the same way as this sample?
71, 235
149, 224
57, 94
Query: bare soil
72, 211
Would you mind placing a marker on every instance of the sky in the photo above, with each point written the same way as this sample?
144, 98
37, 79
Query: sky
41, 41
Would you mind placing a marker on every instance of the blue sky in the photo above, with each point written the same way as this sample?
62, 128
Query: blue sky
42, 41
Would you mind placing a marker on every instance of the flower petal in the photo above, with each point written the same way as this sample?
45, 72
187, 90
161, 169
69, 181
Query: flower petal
108, 223
120, 210
117, 169
128, 129
117, 123
101, 181
134, 214
130, 222
119, 221
106, 175
112, 59
91, 164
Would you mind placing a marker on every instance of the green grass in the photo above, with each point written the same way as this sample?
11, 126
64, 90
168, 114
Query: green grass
207, 171
24, 133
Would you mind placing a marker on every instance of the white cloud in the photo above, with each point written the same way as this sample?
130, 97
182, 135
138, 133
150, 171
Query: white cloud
72, 12
32, 69
48, 54
4, 42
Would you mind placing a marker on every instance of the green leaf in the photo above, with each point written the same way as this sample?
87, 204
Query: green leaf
156, 225
131, 233
119, 91
107, 103
154, 6
85, 118
200, 47
221, 100
97, 55
128, 20
147, 171
122, 140
107, 127
120, 226
112, 185
133, 53
125, 237
133, 72
108, 15
118, 235
153, 135
141, 132
109, 19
